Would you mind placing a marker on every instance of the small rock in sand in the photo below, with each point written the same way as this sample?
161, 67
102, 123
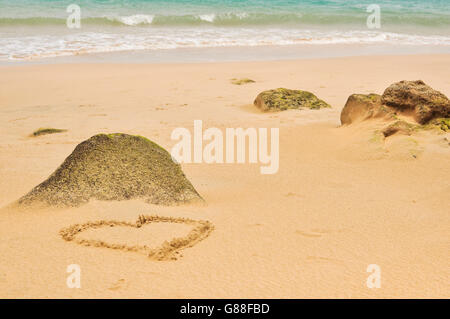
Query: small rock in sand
283, 99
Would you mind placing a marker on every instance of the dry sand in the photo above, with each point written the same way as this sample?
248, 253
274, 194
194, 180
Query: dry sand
340, 201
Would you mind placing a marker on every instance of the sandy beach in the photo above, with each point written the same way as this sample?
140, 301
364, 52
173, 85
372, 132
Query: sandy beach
339, 202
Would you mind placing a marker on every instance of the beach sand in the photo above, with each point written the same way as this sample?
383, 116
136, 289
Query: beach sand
339, 202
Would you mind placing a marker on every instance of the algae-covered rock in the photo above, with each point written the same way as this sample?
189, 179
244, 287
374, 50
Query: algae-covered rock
241, 81
441, 123
283, 99
407, 128
360, 107
401, 127
417, 97
114, 167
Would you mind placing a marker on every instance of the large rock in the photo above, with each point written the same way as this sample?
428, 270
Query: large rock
114, 167
417, 98
360, 107
284, 99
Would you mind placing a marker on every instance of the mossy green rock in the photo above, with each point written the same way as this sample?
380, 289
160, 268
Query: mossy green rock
442, 123
401, 127
407, 128
283, 99
114, 167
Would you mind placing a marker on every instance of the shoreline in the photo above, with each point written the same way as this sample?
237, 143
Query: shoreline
238, 54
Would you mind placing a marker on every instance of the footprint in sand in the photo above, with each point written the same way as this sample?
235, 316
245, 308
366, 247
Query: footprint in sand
20, 119
118, 285
98, 115
168, 250
316, 232
326, 260
86, 105
444, 142
291, 194
307, 234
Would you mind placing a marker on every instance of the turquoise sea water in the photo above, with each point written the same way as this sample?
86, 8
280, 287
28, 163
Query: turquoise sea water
31, 29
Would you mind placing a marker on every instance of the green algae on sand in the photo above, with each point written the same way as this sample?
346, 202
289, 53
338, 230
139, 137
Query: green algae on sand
47, 130
241, 81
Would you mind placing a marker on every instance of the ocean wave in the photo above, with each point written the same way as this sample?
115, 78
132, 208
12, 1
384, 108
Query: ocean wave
224, 19
136, 19
218, 19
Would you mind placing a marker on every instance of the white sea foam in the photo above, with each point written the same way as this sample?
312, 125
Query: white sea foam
39, 46
207, 17
136, 19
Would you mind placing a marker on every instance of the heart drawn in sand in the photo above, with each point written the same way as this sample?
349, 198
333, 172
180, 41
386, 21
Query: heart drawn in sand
167, 251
